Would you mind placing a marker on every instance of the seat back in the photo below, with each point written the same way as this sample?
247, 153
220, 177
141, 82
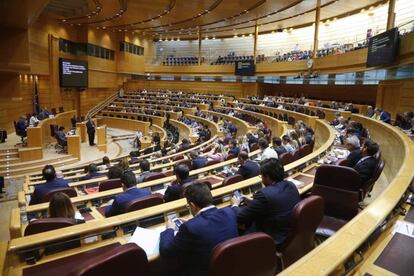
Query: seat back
240, 256
286, 158
154, 176
70, 192
306, 149
186, 162
127, 259
343, 162
211, 162
178, 157
367, 186
254, 147
47, 224
339, 177
110, 184
232, 179
306, 217
297, 154
230, 156
144, 202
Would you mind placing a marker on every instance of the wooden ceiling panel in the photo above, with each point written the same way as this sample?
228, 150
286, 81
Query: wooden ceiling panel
182, 18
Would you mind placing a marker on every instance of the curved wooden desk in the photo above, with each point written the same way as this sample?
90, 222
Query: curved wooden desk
184, 130
242, 126
398, 152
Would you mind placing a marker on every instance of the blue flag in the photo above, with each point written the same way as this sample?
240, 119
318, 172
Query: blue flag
36, 107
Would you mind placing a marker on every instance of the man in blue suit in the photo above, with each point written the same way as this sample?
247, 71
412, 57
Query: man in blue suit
367, 164
248, 168
270, 211
197, 237
182, 174
197, 160
52, 183
92, 172
131, 192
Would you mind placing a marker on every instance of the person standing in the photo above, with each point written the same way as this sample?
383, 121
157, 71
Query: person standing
90, 126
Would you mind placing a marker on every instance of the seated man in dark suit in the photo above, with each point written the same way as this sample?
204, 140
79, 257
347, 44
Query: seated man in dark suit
61, 136
145, 171
197, 160
186, 144
92, 172
352, 144
131, 192
21, 126
173, 191
251, 139
367, 164
234, 149
248, 168
270, 211
52, 183
197, 237
277, 146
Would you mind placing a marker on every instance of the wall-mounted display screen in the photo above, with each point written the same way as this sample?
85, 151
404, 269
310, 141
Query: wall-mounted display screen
245, 68
383, 48
73, 73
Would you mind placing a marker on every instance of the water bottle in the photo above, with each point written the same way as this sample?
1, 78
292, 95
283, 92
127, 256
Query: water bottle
23, 215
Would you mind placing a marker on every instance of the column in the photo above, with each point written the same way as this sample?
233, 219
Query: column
256, 33
316, 35
199, 45
391, 15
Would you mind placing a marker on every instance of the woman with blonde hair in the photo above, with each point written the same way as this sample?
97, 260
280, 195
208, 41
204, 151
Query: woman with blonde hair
60, 206
294, 139
124, 164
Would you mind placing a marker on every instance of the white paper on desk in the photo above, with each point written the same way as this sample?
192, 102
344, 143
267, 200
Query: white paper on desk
404, 227
147, 239
162, 191
298, 184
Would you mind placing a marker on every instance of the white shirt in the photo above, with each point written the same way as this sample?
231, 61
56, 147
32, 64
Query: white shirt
33, 121
269, 153
205, 209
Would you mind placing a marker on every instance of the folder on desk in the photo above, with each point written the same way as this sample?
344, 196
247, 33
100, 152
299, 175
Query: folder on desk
147, 239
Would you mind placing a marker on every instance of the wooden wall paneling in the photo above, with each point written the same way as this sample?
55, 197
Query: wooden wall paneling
14, 54
396, 96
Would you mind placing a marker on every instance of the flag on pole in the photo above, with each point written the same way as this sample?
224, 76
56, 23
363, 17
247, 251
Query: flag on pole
36, 107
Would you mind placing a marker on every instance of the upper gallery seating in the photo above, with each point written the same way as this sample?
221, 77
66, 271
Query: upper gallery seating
171, 60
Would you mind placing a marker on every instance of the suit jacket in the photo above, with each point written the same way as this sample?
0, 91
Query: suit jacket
144, 175
173, 192
366, 167
249, 169
21, 126
122, 200
234, 151
199, 162
280, 150
197, 237
353, 157
61, 136
270, 210
252, 140
41, 190
90, 125
385, 117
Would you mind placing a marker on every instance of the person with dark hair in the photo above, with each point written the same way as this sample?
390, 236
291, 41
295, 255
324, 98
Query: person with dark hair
106, 162
286, 143
90, 126
92, 172
197, 161
173, 191
267, 152
52, 183
144, 166
185, 144
197, 237
114, 172
60, 206
234, 149
270, 211
367, 164
131, 192
61, 136
248, 168
277, 146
